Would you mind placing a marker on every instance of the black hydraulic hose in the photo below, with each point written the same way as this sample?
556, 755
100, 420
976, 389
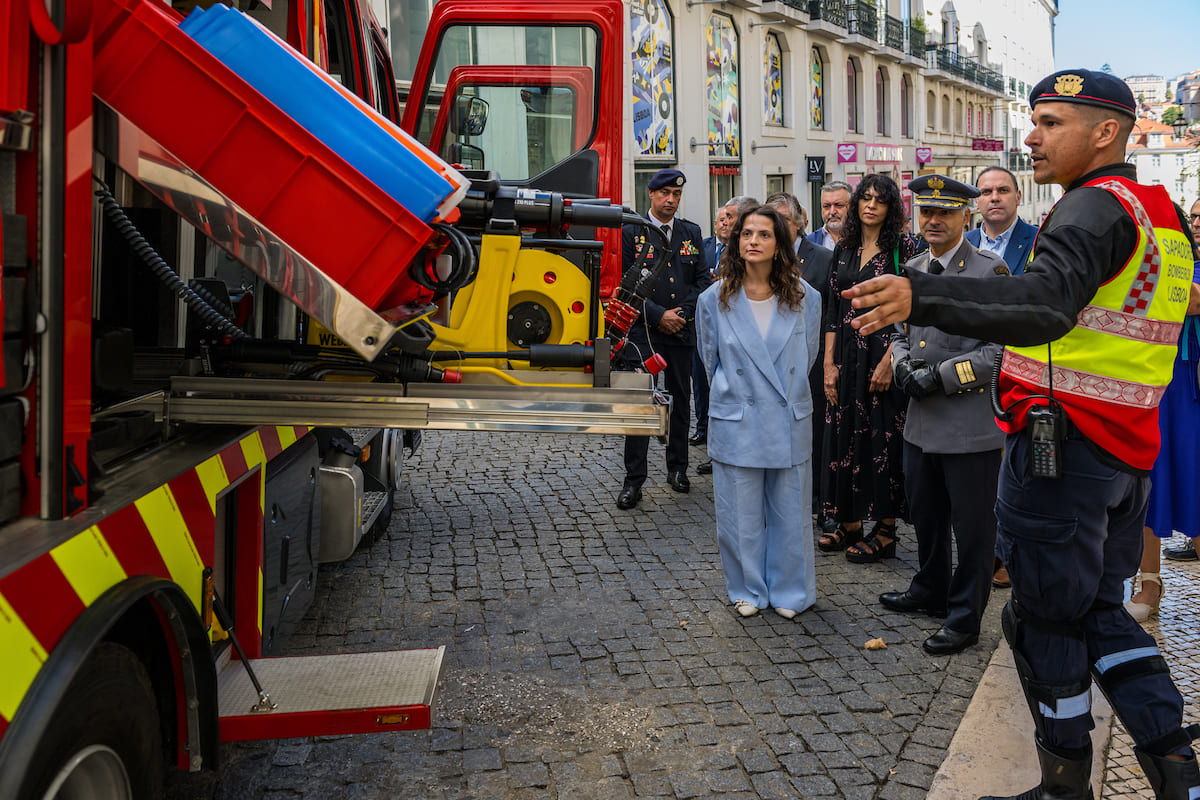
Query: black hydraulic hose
161, 269
463, 264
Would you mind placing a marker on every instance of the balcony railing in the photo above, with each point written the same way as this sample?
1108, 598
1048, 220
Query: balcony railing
862, 18
893, 33
916, 42
799, 5
947, 60
833, 11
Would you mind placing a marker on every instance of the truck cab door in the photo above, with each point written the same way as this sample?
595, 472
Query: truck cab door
551, 76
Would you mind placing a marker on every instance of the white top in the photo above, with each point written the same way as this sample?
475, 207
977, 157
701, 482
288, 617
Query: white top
763, 311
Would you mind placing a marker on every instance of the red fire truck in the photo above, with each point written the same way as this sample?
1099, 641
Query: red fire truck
219, 339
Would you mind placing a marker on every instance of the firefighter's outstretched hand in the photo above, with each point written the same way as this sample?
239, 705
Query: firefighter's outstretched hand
888, 298
671, 320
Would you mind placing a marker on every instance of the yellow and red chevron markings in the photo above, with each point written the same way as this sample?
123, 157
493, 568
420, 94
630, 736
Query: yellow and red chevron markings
169, 532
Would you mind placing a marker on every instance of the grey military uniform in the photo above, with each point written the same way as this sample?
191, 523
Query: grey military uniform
960, 419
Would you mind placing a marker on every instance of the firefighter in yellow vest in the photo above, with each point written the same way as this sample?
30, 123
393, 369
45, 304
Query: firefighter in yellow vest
1091, 329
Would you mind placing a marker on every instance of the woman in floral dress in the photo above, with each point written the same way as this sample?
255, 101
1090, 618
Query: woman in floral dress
863, 476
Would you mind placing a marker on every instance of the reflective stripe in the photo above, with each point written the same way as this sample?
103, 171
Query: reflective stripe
287, 436
213, 478
1068, 707
23, 657
1085, 384
252, 449
173, 540
1129, 326
1105, 663
1141, 291
89, 564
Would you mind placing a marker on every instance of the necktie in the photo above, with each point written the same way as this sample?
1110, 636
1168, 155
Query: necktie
935, 267
666, 230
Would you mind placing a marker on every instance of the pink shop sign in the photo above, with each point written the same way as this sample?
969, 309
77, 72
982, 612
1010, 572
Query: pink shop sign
924, 155
847, 152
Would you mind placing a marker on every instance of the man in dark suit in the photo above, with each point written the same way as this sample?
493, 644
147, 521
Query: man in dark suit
665, 326
952, 446
1002, 232
816, 262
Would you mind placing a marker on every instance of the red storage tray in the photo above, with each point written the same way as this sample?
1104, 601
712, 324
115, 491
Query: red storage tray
193, 105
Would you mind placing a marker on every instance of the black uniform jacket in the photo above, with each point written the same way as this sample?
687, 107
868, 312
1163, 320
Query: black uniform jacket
680, 285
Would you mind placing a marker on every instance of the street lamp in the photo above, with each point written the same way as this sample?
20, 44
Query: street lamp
1180, 126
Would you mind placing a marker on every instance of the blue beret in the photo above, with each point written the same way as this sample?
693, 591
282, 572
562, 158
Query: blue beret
666, 177
1087, 88
942, 192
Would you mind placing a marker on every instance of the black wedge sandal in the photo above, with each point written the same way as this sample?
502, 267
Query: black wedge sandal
840, 538
872, 549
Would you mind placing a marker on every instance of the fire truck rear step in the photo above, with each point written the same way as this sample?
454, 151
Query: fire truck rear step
331, 695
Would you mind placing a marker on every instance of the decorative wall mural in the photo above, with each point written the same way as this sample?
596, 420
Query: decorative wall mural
817, 90
721, 84
772, 81
653, 79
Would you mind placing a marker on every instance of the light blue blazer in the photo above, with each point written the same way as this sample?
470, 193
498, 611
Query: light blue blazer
759, 404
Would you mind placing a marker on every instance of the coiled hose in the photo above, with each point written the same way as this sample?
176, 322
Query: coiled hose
161, 269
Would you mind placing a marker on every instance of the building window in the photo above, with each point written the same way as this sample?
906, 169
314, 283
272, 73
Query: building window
970, 117
724, 117
777, 183
946, 113
653, 79
991, 124
1156, 161
930, 111
881, 105
816, 84
772, 80
853, 92
979, 121
905, 106
958, 116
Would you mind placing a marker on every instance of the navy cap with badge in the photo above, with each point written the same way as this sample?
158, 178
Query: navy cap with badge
1085, 87
666, 177
942, 192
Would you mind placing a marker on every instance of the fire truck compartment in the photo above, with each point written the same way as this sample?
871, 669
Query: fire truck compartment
330, 695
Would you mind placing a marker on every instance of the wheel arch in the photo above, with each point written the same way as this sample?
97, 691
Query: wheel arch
176, 656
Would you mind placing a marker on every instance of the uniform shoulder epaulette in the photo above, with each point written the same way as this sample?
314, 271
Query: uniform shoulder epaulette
1001, 269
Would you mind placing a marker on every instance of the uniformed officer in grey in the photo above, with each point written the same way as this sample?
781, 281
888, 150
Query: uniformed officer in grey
952, 445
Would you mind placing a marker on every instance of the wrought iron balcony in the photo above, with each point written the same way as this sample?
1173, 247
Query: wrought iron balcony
916, 42
799, 5
948, 60
833, 11
863, 19
893, 33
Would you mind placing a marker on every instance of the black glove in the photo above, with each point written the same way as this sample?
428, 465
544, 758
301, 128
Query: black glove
916, 378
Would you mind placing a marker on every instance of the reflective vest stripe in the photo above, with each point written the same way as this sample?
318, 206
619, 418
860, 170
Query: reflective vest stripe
1085, 384
1141, 291
1129, 325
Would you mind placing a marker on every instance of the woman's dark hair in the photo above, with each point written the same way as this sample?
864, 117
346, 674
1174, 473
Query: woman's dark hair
893, 224
785, 269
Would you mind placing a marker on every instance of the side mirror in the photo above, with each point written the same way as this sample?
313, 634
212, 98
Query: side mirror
469, 117
468, 155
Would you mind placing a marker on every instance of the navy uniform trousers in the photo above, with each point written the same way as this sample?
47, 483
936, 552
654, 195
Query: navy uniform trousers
677, 379
949, 495
1069, 544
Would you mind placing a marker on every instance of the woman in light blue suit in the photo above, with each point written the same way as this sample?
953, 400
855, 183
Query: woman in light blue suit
758, 329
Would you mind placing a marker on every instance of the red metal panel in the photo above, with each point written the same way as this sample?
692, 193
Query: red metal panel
197, 513
131, 542
234, 460
270, 441
323, 723
43, 599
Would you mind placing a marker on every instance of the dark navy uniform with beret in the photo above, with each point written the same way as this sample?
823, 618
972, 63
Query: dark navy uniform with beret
952, 446
1070, 542
679, 287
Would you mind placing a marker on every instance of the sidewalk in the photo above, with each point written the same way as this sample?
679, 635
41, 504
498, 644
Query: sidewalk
992, 752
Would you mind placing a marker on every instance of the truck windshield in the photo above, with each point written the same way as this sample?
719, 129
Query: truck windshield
538, 90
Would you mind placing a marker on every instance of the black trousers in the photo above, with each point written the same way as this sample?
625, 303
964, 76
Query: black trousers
677, 379
950, 499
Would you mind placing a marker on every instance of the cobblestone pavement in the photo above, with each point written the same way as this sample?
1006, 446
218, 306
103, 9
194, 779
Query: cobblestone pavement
592, 653
1175, 627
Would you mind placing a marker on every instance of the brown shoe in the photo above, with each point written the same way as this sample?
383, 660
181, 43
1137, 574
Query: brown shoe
1000, 577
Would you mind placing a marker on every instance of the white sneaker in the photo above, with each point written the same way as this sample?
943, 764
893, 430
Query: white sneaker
745, 608
786, 613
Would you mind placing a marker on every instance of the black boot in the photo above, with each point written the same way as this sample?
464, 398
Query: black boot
1064, 777
1170, 779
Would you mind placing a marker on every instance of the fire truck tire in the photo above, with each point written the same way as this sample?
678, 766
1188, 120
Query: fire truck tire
103, 740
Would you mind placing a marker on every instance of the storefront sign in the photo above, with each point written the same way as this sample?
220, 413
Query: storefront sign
884, 154
720, 169
924, 155
847, 153
816, 169
991, 145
